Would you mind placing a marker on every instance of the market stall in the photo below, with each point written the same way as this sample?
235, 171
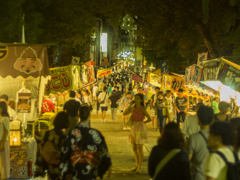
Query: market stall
24, 71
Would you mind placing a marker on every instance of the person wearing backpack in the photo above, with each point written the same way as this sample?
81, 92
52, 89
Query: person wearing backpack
168, 160
197, 144
219, 164
48, 156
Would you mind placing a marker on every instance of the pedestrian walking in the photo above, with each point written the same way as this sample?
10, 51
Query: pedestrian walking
84, 154
48, 157
181, 106
171, 106
95, 90
102, 99
124, 105
98, 103
223, 112
168, 160
138, 134
197, 145
72, 106
220, 139
235, 123
161, 109
4, 142
215, 103
114, 99
110, 88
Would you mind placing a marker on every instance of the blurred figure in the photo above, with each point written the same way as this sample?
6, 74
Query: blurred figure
84, 154
4, 142
220, 138
190, 125
223, 110
214, 104
12, 113
114, 99
102, 99
95, 90
149, 95
125, 103
169, 152
98, 103
171, 106
72, 106
181, 106
48, 157
197, 145
235, 123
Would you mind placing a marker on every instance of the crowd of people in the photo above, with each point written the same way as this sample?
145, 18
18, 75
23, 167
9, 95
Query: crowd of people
196, 142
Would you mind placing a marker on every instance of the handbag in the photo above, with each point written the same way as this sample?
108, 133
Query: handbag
130, 121
164, 161
102, 102
50, 154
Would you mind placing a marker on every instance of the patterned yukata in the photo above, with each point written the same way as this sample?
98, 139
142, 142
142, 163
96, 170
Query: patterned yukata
56, 137
84, 154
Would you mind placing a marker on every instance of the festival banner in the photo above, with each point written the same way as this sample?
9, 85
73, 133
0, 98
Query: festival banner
57, 54
62, 80
75, 60
195, 74
202, 57
187, 75
210, 70
173, 83
196, 93
153, 79
136, 78
24, 103
164, 66
229, 75
76, 77
18, 163
103, 72
87, 74
23, 60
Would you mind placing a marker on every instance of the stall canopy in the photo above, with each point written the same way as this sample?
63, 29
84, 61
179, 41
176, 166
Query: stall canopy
24, 63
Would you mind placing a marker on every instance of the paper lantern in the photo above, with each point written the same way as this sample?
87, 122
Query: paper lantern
15, 138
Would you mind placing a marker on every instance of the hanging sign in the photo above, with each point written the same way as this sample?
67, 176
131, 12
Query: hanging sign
229, 76
103, 72
23, 60
153, 79
202, 57
24, 103
62, 80
136, 78
164, 66
87, 74
196, 74
173, 83
210, 70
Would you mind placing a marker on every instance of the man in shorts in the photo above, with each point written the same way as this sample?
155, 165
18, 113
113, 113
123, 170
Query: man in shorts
153, 113
102, 99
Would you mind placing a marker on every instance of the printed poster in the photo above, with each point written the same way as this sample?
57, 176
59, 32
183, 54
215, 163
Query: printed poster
57, 54
88, 74
62, 80
202, 57
153, 79
173, 83
103, 72
197, 74
210, 70
23, 60
76, 77
24, 103
18, 163
229, 76
187, 75
164, 67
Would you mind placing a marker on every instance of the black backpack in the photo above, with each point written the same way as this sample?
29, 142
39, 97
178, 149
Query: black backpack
233, 169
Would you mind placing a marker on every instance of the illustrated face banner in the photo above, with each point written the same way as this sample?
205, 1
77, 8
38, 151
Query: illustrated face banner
210, 70
24, 103
18, 163
23, 60
229, 76
173, 83
61, 81
103, 72
87, 74
76, 76
196, 74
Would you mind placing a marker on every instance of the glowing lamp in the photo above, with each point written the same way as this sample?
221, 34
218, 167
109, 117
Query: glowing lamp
15, 138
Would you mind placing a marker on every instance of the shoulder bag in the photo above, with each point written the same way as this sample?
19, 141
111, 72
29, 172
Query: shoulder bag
165, 160
102, 102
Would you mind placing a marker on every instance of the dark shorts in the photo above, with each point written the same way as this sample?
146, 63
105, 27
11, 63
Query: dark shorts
98, 106
104, 108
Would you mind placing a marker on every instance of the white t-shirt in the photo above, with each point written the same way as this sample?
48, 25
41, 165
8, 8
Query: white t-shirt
4, 122
95, 90
101, 97
170, 104
215, 165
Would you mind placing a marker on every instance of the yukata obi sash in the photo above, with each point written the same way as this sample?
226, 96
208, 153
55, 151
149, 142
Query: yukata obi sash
90, 157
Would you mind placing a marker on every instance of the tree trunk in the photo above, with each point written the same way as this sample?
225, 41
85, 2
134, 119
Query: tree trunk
206, 38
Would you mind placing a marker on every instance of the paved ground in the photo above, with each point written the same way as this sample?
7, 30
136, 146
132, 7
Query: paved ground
119, 148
